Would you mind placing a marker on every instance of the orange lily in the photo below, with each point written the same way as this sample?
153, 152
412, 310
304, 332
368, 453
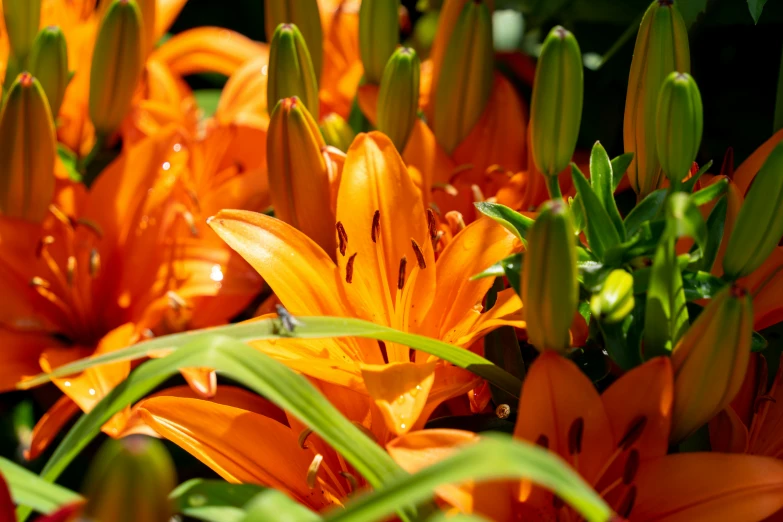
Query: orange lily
617, 441
386, 273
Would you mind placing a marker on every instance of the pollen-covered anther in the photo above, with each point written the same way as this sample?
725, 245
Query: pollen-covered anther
70, 269
351, 480
95, 263
575, 433
432, 223
312, 471
376, 226
419, 254
60, 215
401, 275
503, 411
42, 244
39, 282
478, 195
455, 220
176, 301
342, 238
304, 436
349, 268
448, 188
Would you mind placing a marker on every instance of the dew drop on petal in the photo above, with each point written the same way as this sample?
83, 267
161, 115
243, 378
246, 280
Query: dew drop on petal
217, 274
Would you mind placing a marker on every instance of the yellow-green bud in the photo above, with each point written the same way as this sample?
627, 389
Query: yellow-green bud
556, 106
398, 98
379, 34
291, 70
466, 76
299, 173
710, 361
48, 62
117, 63
661, 48
679, 125
615, 300
130, 480
337, 132
759, 224
304, 14
550, 289
27, 150
22, 19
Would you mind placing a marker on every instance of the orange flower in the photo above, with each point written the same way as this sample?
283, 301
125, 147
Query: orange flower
386, 273
617, 442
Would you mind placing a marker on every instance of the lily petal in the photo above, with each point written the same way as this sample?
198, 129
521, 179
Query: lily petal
727, 433
744, 174
767, 429
49, 425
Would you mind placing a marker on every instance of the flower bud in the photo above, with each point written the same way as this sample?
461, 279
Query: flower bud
304, 14
22, 19
398, 98
466, 76
27, 151
48, 62
117, 63
556, 106
759, 224
337, 132
679, 125
550, 288
379, 34
661, 48
291, 71
710, 361
299, 172
130, 480
615, 300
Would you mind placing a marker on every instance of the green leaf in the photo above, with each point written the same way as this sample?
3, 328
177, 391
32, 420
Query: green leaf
701, 285
276, 505
70, 162
578, 211
208, 100
511, 220
601, 233
494, 457
643, 243
758, 343
623, 348
442, 516
686, 219
666, 316
601, 179
755, 7
690, 183
710, 193
213, 500
621, 163
28, 489
715, 224
592, 274
646, 210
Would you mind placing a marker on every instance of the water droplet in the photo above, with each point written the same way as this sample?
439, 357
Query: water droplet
402, 426
67, 384
197, 500
166, 165
401, 399
92, 391
217, 274
265, 70
177, 147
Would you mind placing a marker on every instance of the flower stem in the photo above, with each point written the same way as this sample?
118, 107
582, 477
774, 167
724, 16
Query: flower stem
553, 186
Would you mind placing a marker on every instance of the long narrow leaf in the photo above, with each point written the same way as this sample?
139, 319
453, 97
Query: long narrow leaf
601, 233
213, 500
28, 489
496, 457
666, 316
619, 166
601, 178
511, 220
646, 210
716, 222
710, 193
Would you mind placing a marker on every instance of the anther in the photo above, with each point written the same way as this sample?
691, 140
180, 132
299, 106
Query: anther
448, 188
376, 226
633, 433
95, 263
42, 244
503, 411
456, 222
303, 437
419, 255
312, 471
342, 238
60, 215
432, 223
478, 196
188, 217
70, 269
351, 480
631, 466
575, 433
543, 441
401, 275
349, 268
92, 225
626, 506
39, 282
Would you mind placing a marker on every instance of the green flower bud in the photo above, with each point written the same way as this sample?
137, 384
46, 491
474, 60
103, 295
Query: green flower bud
398, 98
759, 224
130, 480
117, 63
661, 48
291, 71
615, 300
466, 76
550, 289
679, 125
22, 19
337, 132
27, 151
379, 34
49, 64
304, 14
556, 106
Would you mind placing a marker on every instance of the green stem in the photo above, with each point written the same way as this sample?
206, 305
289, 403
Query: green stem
553, 186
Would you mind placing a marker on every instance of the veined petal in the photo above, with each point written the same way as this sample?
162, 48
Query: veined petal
727, 433
243, 100
744, 174
474, 325
708, 486
400, 391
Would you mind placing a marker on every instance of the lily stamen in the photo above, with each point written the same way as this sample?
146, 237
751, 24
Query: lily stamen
304, 436
376, 226
401, 276
351, 480
312, 471
419, 255
95, 263
342, 238
176, 301
349, 268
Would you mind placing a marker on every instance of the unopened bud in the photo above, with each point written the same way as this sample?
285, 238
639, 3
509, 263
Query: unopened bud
710, 361
27, 151
679, 125
22, 19
304, 14
117, 63
398, 98
291, 70
759, 225
466, 76
379, 34
298, 172
556, 106
615, 300
661, 48
337, 132
550, 289
130, 480
49, 64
